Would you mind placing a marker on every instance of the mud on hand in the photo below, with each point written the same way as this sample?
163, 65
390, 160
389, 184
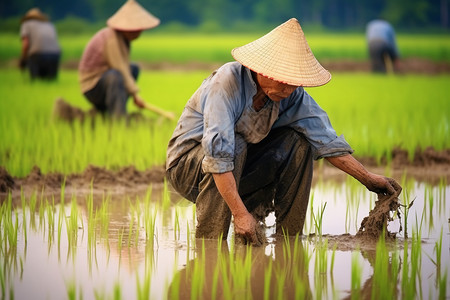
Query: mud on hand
256, 237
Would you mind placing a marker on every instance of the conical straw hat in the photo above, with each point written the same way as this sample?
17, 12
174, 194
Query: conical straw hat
283, 55
132, 17
34, 14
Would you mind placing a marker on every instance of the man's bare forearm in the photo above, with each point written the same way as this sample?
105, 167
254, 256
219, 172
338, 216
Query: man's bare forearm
373, 182
226, 184
351, 166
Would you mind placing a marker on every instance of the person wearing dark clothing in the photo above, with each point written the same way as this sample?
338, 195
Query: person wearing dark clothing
40, 48
382, 46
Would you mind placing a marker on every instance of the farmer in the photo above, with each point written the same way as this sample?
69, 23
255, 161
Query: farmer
245, 142
382, 46
40, 48
106, 76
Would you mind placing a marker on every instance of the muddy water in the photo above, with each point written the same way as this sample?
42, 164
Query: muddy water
40, 267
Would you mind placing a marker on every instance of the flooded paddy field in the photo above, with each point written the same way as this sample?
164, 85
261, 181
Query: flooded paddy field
95, 242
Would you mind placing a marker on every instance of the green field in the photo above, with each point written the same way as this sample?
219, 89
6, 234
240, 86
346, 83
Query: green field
181, 48
375, 114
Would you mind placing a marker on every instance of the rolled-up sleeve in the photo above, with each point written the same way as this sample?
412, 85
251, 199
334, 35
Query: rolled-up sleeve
220, 112
303, 114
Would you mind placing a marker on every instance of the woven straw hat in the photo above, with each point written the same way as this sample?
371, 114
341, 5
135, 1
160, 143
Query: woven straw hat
283, 55
132, 17
34, 14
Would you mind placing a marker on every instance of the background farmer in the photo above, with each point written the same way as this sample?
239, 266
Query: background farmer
382, 46
40, 48
106, 76
245, 142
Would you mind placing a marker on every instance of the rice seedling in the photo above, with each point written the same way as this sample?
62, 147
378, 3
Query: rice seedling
411, 268
429, 201
117, 292
385, 273
91, 221
166, 197
149, 227
32, 210
120, 243
2, 281
333, 255
24, 216
61, 218
10, 225
72, 225
443, 285
143, 288
320, 269
357, 269
72, 292
318, 219
267, 280
50, 214
176, 226
438, 254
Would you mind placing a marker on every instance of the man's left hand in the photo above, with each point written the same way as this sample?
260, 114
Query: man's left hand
382, 185
138, 101
22, 63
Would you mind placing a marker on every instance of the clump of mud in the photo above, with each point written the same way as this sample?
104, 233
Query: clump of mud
373, 226
6, 181
63, 110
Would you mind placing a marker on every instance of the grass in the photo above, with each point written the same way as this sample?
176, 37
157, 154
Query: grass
375, 113
216, 48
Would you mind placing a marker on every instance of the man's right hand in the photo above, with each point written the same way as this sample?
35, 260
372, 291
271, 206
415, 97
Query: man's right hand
138, 101
22, 63
246, 227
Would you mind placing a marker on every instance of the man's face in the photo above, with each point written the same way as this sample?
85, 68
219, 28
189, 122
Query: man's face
275, 90
131, 35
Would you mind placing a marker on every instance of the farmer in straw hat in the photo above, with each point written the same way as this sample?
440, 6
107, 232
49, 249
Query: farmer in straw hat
106, 76
40, 48
245, 142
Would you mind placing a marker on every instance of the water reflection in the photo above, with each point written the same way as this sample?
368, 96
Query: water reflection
217, 272
151, 241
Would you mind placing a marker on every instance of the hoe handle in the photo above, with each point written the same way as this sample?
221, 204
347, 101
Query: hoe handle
167, 114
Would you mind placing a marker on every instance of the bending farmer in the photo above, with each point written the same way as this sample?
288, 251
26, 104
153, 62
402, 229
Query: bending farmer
245, 142
40, 48
106, 76
382, 45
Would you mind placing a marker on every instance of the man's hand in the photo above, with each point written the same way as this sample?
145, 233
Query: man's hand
246, 227
382, 185
138, 101
22, 63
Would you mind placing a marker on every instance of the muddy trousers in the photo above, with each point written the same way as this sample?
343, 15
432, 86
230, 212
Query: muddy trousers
273, 175
44, 65
380, 52
110, 95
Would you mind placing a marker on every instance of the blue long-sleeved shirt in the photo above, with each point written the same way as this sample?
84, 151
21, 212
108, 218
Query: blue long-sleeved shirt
222, 107
380, 30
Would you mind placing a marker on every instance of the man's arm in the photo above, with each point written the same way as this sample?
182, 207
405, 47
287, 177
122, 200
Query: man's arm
373, 182
244, 223
24, 52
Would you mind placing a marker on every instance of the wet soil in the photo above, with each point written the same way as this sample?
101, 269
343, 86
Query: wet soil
376, 223
429, 166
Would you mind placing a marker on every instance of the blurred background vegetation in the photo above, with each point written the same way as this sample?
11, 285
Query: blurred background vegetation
84, 16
